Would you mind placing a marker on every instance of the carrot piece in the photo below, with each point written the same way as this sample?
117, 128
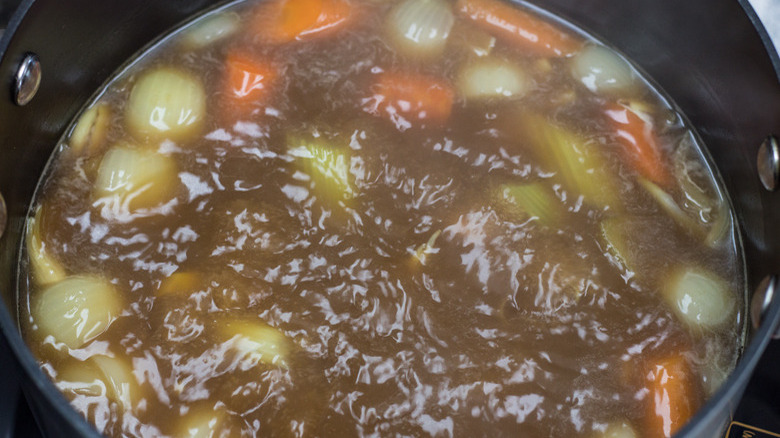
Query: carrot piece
672, 398
640, 143
246, 82
523, 30
405, 96
283, 21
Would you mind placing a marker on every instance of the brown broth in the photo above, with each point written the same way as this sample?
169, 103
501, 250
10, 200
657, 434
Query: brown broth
507, 326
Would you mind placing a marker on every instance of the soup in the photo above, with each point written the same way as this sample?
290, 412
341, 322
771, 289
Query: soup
343, 218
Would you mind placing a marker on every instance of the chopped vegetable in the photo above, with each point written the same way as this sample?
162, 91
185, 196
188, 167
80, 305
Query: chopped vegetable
492, 78
523, 30
166, 103
117, 373
210, 30
81, 378
634, 131
247, 82
180, 283
256, 342
89, 135
407, 98
619, 429
721, 228
601, 70
667, 203
326, 164
283, 21
533, 200
45, 268
700, 298
207, 422
671, 400
76, 310
468, 39
133, 178
423, 251
577, 164
616, 233
420, 28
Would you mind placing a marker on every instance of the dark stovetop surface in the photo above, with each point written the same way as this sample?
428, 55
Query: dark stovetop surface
760, 406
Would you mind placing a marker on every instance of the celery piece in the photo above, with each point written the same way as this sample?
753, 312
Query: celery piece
423, 251
534, 200
667, 203
615, 233
578, 165
327, 165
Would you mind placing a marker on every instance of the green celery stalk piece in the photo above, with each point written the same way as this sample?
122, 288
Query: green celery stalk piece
578, 164
615, 234
535, 200
327, 165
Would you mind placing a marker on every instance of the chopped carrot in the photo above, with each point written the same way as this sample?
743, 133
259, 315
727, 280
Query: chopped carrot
519, 28
246, 82
283, 21
640, 143
672, 399
407, 98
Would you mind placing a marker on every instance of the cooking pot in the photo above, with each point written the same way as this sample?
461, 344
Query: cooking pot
710, 56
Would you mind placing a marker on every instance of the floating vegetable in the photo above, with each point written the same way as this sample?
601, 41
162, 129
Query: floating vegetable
284, 21
424, 251
166, 103
635, 132
492, 78
408, 98
700, 298
619, 429
210, 30
207, 422
468, 39
521, 29
45, 268
576, 162
89, 135
256, 342
326, 164
671, 399
616, 233
76, 310
247, 83
117, 373
532, 200
601, 70
668, 204
180, 283
420, 28
134, 178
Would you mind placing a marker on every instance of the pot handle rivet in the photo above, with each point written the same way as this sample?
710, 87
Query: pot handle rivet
769, 163
762, 299
28, 79
3, 215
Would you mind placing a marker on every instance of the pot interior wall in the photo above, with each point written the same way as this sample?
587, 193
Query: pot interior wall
705, 54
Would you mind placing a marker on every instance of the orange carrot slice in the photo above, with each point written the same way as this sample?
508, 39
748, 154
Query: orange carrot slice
246, 82
640, 144
282, 21
525, 31
672, 399
408, 98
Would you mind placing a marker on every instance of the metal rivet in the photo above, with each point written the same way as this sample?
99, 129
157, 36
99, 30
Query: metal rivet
3, 215
28, 79
761, 301
769, 163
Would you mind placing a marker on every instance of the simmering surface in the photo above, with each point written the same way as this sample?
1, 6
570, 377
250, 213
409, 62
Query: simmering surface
346, 231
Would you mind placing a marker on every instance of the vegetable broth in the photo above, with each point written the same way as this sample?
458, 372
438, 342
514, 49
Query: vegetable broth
341, 232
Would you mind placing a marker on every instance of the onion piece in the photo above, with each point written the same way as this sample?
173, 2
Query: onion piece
701, 299
420, 28
89, 134
208, 422
45, 268
668, 204
601, 70
211, 29
619, 429
492, 78
326, 164
76, 310
256, 342
132, 178
180, 284
166, 103
80, 378
118, 376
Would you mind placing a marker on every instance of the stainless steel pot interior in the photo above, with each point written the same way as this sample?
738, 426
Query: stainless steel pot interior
706, 54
